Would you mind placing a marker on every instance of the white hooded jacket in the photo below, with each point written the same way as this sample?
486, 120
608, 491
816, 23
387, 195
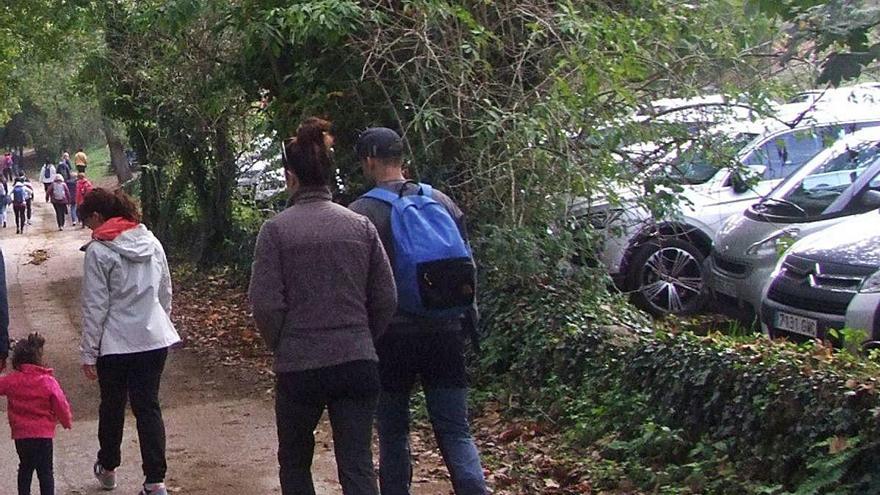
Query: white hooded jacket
126, 296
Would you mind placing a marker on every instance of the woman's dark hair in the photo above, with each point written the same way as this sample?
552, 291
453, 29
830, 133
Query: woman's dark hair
307, 155
109, 204
28, 351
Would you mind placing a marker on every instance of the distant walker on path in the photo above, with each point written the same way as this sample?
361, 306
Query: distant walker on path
80, 160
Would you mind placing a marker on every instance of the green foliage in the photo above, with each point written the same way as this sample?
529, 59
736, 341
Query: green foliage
850, 338
683, 406
842, 33
99, 162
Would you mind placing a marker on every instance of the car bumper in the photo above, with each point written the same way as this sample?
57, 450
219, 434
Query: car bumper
741, 288
796, 324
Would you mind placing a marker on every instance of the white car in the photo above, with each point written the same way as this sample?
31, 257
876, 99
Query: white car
865, 93
841, 181
660, 262
269, 184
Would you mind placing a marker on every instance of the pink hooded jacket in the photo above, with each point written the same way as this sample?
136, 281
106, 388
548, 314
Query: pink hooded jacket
36, 402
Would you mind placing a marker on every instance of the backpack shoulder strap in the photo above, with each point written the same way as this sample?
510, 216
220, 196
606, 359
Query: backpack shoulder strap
381, 194
427, 190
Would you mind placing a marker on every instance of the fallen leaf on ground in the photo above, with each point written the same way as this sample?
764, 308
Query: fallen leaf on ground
38, 257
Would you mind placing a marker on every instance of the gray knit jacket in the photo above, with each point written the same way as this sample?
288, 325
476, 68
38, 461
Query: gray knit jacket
321, 287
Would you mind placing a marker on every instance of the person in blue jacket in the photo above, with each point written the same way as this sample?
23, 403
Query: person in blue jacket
4, 316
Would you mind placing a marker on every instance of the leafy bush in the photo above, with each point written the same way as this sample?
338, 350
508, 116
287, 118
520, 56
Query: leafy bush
800, 418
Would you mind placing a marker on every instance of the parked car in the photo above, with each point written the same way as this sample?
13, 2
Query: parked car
268, 185
261, 155
661, 262
827, 280
865, 93
841, 181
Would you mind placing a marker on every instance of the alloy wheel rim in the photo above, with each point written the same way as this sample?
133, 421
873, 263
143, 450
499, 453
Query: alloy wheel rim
672, 278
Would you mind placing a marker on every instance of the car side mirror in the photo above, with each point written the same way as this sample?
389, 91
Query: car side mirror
739, 184
870, 200
742, 180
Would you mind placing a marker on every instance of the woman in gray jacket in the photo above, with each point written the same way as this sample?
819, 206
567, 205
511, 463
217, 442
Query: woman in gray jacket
322, 292
127, 329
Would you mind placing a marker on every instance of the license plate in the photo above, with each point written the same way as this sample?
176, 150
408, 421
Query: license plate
725, 287
796, 324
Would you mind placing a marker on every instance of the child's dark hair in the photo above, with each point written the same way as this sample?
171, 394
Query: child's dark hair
28, 351
307, 155
109, 204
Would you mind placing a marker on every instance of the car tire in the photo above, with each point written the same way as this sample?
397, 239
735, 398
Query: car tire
666, 277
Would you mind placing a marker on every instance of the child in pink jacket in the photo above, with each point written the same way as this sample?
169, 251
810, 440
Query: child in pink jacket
36, 404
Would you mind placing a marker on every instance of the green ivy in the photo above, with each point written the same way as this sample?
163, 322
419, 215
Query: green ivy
715, 413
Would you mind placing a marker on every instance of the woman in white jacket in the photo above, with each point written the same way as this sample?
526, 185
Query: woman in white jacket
127, 330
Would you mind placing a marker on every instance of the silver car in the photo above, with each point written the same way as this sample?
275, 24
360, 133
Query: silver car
828, 280
841, 181
661, 262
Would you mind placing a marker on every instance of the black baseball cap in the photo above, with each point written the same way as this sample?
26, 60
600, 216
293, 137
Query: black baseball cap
379, 142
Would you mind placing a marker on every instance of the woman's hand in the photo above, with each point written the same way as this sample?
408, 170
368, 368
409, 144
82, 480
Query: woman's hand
90, 371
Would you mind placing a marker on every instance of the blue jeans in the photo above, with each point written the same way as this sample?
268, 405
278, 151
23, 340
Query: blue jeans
447, 408
73, 218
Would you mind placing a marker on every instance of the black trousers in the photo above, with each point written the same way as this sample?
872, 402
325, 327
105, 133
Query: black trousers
20, 218
135, 377
349, 392
35, 454
60, 213
29, 203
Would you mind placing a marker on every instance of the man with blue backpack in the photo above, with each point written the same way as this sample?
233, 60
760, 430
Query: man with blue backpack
424, 234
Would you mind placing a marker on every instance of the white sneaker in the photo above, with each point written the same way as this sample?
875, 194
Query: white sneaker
154, 489
106, 478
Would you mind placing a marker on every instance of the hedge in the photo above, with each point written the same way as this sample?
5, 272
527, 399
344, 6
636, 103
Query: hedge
779, 417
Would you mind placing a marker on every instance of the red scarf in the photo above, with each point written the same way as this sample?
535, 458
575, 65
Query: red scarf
112, 228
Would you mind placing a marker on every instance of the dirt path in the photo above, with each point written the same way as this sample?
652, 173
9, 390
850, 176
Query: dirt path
220, 424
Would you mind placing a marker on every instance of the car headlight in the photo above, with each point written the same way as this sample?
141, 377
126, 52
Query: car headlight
871, 285
774, 244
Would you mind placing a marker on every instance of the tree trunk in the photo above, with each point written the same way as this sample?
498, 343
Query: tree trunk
118, 160
216, 217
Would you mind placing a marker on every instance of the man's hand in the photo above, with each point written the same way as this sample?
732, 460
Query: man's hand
91, 371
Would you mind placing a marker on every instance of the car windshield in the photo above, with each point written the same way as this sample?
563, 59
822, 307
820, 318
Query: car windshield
703, 159
813, 193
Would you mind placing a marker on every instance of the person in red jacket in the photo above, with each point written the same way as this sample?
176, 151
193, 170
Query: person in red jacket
83, 187
36, 404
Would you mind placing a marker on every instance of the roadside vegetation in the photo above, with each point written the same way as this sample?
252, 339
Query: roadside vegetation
514, 108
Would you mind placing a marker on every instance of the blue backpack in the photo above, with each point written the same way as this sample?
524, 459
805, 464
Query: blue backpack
19, 195
433, 267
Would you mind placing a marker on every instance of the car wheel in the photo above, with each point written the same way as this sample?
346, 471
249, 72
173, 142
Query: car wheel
666, 277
